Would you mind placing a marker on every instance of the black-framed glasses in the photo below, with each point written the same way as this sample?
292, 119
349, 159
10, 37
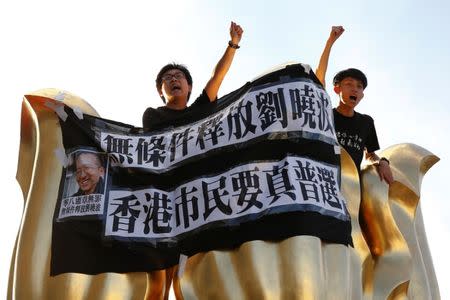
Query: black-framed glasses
169, 77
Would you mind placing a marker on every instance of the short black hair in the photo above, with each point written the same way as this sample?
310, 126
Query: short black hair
173, 66
98, 158
352, 73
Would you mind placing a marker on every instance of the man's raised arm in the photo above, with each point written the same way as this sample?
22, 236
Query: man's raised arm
336, 32
222, 67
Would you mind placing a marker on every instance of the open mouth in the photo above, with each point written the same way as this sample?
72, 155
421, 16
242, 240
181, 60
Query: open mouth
353, 98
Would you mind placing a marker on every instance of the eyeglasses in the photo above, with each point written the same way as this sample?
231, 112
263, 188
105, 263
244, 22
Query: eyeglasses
85, 169
169, 77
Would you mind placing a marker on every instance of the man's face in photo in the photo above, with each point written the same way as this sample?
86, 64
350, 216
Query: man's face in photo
88, 172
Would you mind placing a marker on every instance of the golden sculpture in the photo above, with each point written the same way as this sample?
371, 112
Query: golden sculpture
38, 172
390, 260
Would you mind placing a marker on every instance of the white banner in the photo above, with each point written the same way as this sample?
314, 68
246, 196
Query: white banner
292, 184
298, 107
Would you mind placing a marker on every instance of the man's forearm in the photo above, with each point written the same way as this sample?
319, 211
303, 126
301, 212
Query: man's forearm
323, 63
219, 73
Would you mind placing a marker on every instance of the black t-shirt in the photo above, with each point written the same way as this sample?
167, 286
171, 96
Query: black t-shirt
161, 117
355, 134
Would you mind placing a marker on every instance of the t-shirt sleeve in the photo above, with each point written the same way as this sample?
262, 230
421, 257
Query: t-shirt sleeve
372, 139
148, 118
203, 99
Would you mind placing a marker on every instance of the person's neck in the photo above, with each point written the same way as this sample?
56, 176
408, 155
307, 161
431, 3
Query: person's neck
345, 111
176, 104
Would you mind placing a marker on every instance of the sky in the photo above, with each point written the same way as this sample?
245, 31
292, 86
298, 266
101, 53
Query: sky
109, 52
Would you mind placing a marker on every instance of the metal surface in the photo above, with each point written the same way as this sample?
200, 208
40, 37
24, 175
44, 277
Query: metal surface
391, 259
39, 173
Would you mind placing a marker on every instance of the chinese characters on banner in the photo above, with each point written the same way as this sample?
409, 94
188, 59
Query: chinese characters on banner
291, 184
297, 106
264, 152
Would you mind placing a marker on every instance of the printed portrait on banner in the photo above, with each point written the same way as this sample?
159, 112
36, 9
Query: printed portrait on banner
84, 184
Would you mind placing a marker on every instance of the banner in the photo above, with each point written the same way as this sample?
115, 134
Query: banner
259, 163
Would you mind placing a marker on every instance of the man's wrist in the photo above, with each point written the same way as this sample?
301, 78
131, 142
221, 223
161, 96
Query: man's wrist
385, 159
233, 45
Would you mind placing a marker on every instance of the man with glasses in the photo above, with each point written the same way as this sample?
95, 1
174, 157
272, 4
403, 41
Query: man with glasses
174, 85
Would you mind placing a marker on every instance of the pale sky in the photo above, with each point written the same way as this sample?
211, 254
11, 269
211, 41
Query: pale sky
109, 52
